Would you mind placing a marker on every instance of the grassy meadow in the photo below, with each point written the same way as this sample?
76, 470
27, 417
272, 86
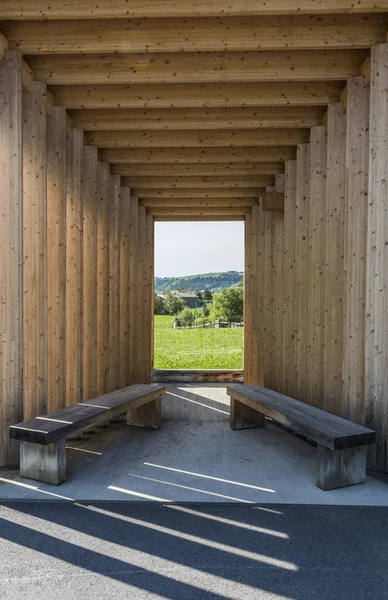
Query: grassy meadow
203, 348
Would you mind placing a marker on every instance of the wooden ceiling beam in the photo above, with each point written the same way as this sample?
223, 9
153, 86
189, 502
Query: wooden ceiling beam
197, 202
156, 183
190, 169
193, 67
192, 95
158, 156
197, 118
199, 212
102, 9
181, 218
279, 32
199, 139
214, 192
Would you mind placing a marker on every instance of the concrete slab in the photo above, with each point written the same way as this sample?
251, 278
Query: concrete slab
194, 458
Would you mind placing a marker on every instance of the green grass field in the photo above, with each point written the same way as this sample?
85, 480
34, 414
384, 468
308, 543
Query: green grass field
196, 348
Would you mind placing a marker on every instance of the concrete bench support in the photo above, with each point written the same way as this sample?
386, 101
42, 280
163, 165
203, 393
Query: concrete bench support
148, 415
243, 416
44, 463
339, 468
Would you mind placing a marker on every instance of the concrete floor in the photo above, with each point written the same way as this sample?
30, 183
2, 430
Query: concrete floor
194, 458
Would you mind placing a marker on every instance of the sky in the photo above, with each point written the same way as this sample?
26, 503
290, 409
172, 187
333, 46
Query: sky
194, 247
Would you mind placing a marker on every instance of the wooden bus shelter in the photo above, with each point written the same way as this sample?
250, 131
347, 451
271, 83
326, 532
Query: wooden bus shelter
117, 114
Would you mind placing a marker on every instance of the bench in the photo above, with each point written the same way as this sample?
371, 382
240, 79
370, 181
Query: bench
43, 439
341, 444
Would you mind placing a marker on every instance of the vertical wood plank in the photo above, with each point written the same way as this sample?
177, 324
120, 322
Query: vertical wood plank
148, 298
11, 291
114, 283
278, 299
376, 379
334, 258
90, 273
249, 300
133, 296
56, 258
289, 310
316, 265
34, 251
125, 278
356, 200
301, 268
74, 260
103, 224
141, 286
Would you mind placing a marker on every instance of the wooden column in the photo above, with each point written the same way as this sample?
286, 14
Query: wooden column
301, 268
334, 258
249, 300
34, 251
114, 283
133, 295
103, 225
148, 300
91, 198
289, 309
316, 265
140, 358
376, 379
125, 279
269, 309
356, 209
74, 260
278, 288
11, 291
56, 258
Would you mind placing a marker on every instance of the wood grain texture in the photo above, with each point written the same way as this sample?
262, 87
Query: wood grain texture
301, 269
316, 265
11, 290
34, 251
356, 211
114, 283
334, 258
125, 285
376, 378
103, 225
134, 287
56, 258
89, 309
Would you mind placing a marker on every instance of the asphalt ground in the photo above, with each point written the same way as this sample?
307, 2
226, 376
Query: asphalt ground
119, 550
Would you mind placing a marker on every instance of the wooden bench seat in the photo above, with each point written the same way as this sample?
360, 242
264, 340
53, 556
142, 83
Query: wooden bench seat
341, 444
43, 439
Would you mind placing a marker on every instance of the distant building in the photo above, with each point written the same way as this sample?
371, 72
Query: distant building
189, 298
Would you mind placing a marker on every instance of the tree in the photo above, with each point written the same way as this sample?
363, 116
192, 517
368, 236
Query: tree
172, 303
208, 296
186, 316
159, 308
198, 293
230, 303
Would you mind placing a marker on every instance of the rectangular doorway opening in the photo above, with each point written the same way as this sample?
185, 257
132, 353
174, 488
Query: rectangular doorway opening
199, 299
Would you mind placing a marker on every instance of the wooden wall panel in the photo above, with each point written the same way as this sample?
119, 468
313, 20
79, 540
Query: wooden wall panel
289, 308
334, 257
301, 268
376, 379
133, 295
268, 288
140, 318
74, 269
125, 282
148, 298
56, 258
103, 226
91, 198
11, 341
114, 283
278, 298
316, 265
356, 203
34, 251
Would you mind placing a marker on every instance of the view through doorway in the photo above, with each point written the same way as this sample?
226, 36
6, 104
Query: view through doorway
199, 295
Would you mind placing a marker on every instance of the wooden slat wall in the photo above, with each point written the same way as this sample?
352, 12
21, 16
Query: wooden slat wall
134, 285
34, 250
356, 203
376, 380
125, 282
334, 257
90, 207
316, 265
56, 258
250, 274
11, 341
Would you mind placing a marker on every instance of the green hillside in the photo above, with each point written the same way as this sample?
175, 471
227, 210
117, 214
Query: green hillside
212, 281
